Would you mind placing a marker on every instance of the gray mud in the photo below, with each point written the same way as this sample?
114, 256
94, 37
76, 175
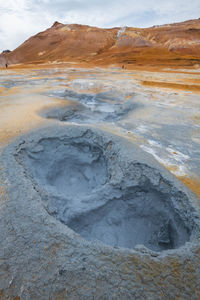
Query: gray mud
18, 81
87, 98
90, 108
86, 184
80, 113
71, 192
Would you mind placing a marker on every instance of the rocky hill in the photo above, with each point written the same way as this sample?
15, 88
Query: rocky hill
174, 44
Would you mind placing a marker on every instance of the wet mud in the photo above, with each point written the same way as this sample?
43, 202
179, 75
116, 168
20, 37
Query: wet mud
91, 108
88, 187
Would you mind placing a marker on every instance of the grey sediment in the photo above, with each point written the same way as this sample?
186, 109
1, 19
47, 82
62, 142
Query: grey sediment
88, 209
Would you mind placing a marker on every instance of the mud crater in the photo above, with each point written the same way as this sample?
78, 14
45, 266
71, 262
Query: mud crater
85, 183
89, 108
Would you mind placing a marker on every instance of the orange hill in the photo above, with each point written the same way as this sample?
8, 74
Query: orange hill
167, 45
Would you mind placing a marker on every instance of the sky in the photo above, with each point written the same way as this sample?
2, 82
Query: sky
20, 19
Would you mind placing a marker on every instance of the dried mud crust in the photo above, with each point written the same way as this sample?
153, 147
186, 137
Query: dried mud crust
85, 182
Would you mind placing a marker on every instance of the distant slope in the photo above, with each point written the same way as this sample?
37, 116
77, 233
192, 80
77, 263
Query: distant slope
175, 44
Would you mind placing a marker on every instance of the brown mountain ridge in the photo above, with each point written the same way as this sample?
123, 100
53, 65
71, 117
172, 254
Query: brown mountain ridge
175, 44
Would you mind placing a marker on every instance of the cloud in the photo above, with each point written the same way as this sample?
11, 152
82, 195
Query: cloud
19, 19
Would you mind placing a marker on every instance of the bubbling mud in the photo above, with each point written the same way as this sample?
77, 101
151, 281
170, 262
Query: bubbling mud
86, 184
78, 113
90, 108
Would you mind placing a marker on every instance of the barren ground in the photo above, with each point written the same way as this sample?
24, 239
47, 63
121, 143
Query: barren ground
160, 111
90, 207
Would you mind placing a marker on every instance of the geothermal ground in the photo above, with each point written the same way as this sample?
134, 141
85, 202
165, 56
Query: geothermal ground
99, 183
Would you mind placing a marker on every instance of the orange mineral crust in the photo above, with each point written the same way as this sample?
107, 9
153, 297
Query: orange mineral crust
174, 45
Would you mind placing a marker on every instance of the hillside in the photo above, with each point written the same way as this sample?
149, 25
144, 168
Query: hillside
173, 45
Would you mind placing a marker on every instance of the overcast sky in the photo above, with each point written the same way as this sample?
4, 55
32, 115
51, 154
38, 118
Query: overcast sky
20, 19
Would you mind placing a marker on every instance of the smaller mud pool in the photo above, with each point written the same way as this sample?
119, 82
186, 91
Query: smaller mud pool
87, 183
91, 108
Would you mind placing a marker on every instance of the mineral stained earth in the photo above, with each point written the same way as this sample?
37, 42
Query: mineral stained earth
99, 183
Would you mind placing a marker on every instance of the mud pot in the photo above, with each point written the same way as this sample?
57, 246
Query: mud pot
86, 184
91, 108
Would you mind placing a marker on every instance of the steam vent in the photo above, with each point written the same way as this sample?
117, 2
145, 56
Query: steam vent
97, 211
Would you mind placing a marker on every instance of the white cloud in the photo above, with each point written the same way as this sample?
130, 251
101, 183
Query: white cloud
19, 19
